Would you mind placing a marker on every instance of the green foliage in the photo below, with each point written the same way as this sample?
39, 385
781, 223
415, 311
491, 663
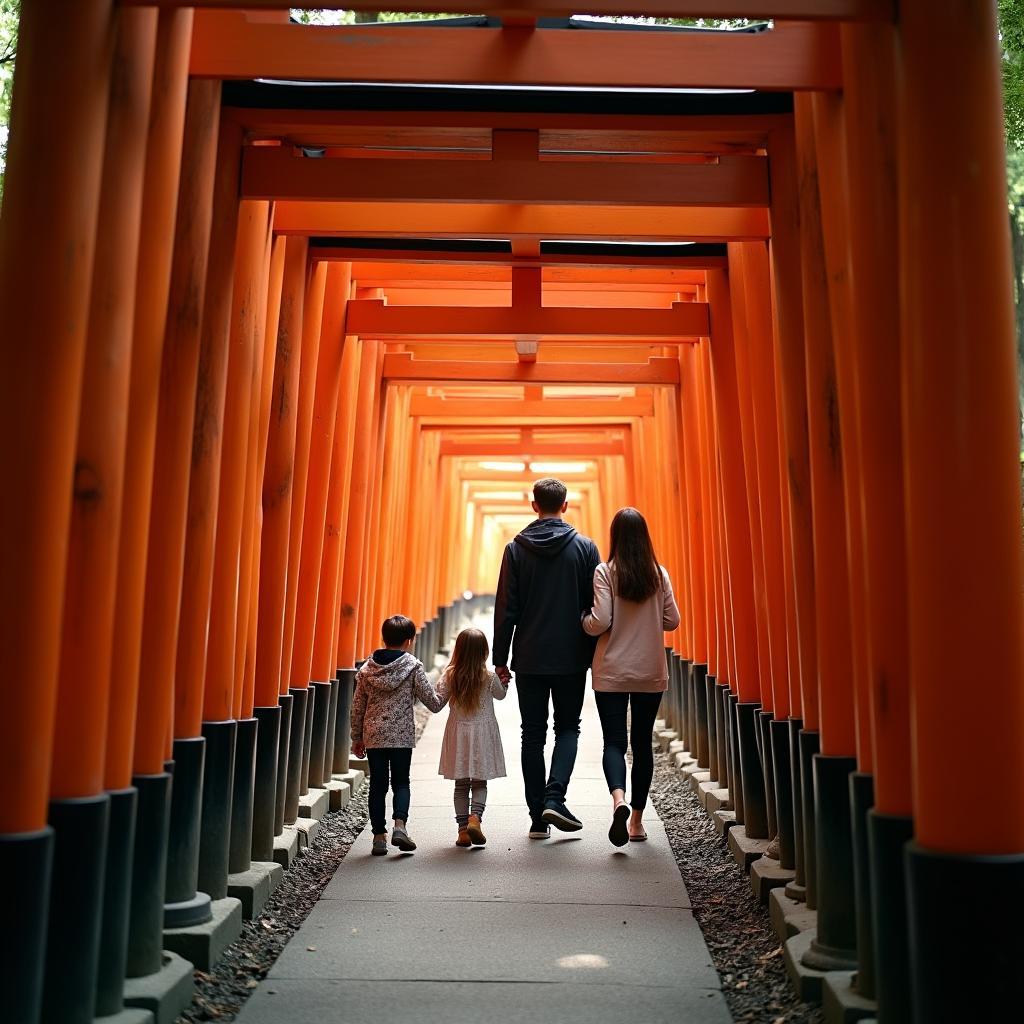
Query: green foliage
10, 11
1011, 36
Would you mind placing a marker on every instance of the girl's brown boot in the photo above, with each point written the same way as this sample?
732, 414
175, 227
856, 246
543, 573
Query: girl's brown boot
463, 839
476, 833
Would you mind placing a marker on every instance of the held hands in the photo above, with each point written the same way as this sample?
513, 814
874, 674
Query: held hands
359, 750
502, 672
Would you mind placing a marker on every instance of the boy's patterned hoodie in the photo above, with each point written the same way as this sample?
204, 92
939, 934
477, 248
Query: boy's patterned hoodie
387, 688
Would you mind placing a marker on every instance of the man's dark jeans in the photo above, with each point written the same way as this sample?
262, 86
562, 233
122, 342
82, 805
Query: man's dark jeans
565, 692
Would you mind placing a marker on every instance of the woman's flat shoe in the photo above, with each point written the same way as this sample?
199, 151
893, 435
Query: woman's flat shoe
642, 838
618, 834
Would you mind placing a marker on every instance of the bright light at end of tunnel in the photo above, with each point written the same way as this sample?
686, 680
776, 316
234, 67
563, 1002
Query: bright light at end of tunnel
584, 961
504, 467
467, 595
558, 467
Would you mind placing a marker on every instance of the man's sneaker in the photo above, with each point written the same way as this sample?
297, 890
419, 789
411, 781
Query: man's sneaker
380, 845
400, 838
540, 830
557, 814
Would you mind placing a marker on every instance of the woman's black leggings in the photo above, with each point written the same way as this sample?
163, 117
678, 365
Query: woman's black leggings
612, 709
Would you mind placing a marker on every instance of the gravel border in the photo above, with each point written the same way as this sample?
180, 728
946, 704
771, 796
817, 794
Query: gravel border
744, 946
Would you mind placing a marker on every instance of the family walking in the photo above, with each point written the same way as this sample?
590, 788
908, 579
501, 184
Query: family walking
560, 611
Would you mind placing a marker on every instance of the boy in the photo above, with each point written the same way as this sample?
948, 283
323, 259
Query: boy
384, 728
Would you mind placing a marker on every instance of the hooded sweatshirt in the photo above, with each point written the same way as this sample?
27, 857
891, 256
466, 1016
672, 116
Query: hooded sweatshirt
387, 687
545, 585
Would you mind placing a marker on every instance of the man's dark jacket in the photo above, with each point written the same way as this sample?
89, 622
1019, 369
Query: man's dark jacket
545, 585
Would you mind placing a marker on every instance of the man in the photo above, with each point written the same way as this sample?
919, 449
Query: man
545, 585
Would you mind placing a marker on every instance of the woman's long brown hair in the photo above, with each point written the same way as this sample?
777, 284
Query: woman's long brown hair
467, 671
637, 575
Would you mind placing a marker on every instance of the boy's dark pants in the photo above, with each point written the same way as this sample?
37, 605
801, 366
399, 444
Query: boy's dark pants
388, 766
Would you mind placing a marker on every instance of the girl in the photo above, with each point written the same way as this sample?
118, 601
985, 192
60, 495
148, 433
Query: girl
633, 607
471, 751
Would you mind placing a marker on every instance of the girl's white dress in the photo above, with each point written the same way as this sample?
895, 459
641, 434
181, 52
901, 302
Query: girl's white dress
471, 748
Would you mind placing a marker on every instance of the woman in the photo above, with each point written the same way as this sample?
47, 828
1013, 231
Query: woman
633, 607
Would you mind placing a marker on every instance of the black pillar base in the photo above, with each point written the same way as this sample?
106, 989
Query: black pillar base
332, 728
681, 667
966, 940
321, 694
809, 745
184, 904
835, 945
117, 887
710, 682
888, 836
797, 889
296, 743
736, 786
215, 830
700, 705
668, 700
755, 809
243, 780
722, 729
76, 904
307, 741
26, 859
764, 727
862, 798
284, 739
149, 874
264, 785
343, 711
783, 778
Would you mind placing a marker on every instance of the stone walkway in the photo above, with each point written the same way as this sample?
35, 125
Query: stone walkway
567, 930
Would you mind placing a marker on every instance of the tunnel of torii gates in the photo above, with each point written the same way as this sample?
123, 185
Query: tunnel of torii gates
292, 317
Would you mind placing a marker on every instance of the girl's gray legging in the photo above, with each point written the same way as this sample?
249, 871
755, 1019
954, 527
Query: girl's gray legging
463, 807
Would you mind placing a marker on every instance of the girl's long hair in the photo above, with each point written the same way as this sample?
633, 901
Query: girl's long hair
637, 575
467, 671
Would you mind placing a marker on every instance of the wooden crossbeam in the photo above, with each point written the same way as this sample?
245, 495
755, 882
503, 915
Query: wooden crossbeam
538, 450
758, 10
275, 172
401, 366
794, 56
489, 410
456, 257
371, 318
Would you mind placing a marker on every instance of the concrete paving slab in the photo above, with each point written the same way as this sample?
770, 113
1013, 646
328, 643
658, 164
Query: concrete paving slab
470, 1002
744, 849
806, 980
723, 821
717, 800
665, 738
354, 777
356, 940
339, 793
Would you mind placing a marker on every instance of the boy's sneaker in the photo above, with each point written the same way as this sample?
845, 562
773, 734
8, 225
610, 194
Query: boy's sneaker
400, 838
557, 814
540, 830
380, 846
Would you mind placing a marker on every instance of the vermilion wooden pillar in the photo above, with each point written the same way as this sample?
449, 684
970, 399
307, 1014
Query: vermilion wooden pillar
964, 558
51, 199
871, 131
168, 512
322, 432
232, 563
152, 282
739, 565
788, 331
277, 481
95, 726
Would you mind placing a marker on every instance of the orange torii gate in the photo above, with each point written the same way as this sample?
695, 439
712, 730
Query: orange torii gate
245, 320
